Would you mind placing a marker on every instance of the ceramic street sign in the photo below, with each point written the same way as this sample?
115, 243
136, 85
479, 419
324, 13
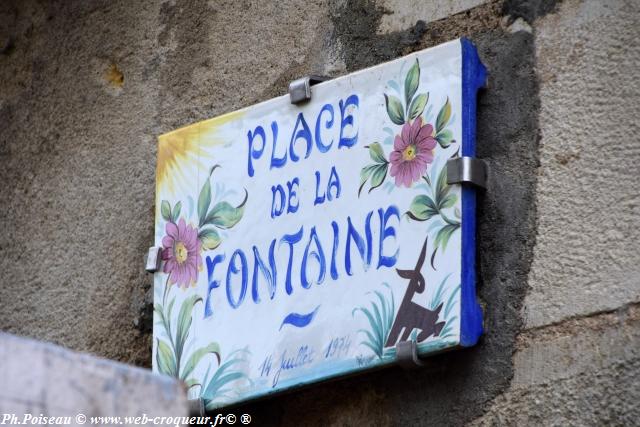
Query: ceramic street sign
302, 243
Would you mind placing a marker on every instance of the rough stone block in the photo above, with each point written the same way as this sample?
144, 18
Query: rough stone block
587, 252
38, 378
580, 372
404, 14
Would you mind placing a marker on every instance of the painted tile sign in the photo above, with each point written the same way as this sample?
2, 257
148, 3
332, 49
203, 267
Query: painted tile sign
301, 243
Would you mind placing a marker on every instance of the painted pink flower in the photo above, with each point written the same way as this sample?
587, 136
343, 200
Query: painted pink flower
181, 253
412, 151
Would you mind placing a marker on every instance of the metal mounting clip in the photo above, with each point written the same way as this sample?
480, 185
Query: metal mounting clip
467, 170
407, 355
152, 261
300, 89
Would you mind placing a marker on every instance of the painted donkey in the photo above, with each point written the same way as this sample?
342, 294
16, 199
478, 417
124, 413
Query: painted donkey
411, 315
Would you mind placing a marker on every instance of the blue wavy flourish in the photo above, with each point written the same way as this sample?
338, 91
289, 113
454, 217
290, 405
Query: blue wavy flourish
299, 320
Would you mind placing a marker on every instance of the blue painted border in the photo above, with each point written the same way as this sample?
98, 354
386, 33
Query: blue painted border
474, 75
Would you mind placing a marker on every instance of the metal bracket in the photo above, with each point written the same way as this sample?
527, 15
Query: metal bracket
300, 89
152, 261
407, 355
467, 170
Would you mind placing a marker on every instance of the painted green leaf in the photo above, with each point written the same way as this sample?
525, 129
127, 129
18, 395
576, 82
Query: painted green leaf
184, 322
224, 374
215, 386
166, 317
442, 188
209, 238
204, 200
436, 299
165, 210
197, 355
191, 382
165, 359
411, 82
223, 215
445, 138
373, 335
417, 105
445, 333
376, 153
422, 208
378, 176
380, 318
394, 109
383, 307
447, 202
443, 236
443, 116
365, 174
450, 302
170, 307
157, 308
374, 339
176, 212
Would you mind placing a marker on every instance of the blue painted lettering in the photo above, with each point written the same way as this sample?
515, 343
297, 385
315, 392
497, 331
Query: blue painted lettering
318, 255
353, 235
234, 269
304, 133
269, 274
334, 182
276, 162
293, 195
385, 232
211, 265
290, 239
347, 120
328, 124
278, 200
255, 153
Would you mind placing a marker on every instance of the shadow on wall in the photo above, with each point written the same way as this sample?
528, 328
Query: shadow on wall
456, 387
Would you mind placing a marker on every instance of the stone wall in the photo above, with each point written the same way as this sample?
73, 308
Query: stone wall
46, 384
85, 88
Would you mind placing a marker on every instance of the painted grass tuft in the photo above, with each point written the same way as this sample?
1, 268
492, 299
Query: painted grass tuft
380, 316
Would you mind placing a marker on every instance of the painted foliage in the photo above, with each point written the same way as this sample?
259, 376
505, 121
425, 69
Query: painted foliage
303, 243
